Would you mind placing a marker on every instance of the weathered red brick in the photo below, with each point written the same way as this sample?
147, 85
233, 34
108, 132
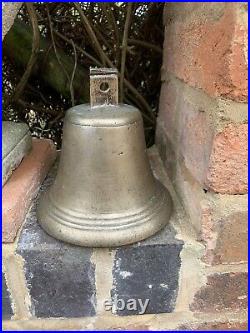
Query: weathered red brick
227, 326
222, 292
232, 239
196, 138
215, 326
209, 51
131, 327
23, 185
220, 220
187, 124
217, 158
223, 232
208, 48
228, 166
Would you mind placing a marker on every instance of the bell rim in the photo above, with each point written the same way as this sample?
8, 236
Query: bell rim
153, 204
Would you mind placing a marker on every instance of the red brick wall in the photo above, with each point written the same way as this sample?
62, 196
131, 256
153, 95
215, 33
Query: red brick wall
202, 123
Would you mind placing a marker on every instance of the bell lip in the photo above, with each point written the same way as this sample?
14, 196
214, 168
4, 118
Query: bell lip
119, 235
103, 116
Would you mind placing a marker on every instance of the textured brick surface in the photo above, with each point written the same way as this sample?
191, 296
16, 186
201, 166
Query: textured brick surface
223, 326
208, 47
224, 229
148, 270
199, 128
61, 282
60, 277
232, 239
23, 186
202, 138
215, 326
185, 120
227, 172
220, 220
7, 311
225, 291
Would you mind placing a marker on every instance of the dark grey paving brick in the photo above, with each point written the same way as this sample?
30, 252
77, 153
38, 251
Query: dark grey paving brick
7, 311
60, 276
148, 270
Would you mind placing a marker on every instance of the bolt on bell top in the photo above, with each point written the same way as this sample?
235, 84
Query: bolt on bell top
104, 193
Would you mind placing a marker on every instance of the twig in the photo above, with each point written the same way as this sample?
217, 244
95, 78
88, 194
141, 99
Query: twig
133, 90
67, 40
91, 33
80, 49
34, 52
102, 38
124, 49
137, 103
54, 45
140, 98
59, 60
55, 120
144, 44
73, 75
36, 91
114, 29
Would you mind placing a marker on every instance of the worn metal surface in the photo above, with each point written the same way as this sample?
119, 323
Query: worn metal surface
103, 86
104, 194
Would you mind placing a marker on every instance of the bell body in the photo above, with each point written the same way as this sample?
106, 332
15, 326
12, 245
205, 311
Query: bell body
104, 193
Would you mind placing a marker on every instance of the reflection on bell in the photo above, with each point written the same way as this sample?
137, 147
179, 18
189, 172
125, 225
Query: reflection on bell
104, 193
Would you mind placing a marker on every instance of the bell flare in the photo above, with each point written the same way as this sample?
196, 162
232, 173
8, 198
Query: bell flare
105, 230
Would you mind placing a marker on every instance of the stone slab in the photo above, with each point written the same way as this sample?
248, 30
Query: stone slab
16, 143
7, 311
23, 185
60, 277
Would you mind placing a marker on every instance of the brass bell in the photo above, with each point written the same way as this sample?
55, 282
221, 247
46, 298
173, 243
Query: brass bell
104, 193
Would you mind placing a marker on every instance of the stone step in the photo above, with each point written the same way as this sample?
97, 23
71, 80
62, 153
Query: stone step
16, 143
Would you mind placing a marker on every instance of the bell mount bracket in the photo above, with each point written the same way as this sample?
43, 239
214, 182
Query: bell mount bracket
103, 86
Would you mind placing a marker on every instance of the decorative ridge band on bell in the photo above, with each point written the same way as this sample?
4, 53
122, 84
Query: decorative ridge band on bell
104, 194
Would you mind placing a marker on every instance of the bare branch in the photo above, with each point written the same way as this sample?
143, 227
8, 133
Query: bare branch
70, 81
124, 49
114, 29
109, 62
73, 75
145, 44
86, 54
91, 33
34, 53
